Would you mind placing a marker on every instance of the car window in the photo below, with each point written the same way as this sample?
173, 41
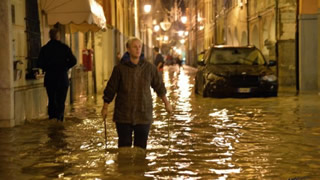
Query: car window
247, 56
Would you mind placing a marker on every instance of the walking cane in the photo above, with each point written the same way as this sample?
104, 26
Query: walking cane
169, 142
105, 129
169, 119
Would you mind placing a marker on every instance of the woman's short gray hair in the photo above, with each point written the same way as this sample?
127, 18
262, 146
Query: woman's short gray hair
130, 40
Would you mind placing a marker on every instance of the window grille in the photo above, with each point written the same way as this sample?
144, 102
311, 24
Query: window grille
33, 37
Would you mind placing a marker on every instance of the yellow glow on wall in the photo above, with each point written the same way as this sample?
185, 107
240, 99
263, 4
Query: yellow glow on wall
308, 6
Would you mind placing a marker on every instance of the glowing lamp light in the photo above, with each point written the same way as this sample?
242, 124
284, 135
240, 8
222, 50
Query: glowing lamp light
165, 26
147, 8
184, 19
165, 38
154, 22
156, 28
199, 18
180, 33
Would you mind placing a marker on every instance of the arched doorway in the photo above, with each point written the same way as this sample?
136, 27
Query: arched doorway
229, 38
255, 40
236, 37
244, 38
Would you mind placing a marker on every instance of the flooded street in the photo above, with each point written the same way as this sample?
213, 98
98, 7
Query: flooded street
205, 138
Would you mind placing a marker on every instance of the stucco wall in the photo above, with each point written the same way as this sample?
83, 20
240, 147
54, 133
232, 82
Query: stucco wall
318, 35
309, 42
6, 64
308, 52
309, 6
105, 60
236, 26
287, 63
30, 100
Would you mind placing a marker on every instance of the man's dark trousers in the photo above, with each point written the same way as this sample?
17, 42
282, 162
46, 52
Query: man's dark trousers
141, 132
56, 97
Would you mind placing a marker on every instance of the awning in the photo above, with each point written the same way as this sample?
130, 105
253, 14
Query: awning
81, 15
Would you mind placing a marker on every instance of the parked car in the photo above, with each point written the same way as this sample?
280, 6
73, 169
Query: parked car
235, 72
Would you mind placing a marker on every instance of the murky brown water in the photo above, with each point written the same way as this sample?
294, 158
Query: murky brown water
206, 138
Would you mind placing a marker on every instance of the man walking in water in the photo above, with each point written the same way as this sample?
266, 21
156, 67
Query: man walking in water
56, 59
130, 82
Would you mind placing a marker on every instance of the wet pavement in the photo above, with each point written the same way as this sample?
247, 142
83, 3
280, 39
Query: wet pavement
205, 138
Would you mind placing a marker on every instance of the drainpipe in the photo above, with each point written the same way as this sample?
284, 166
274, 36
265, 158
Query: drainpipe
196, 35
215, 22
94, 64
277, 33
248, 26
71, 83
116, 30
297, 47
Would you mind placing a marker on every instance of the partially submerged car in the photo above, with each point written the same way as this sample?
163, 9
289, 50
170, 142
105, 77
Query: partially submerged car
235, 72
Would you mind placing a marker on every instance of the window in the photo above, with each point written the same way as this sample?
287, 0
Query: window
228, 4
33, 36
13, 14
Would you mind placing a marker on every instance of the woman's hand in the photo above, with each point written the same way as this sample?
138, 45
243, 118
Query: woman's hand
104, 110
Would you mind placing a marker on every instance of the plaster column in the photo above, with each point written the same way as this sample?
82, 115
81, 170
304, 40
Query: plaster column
318, 35
6, 67
308, 46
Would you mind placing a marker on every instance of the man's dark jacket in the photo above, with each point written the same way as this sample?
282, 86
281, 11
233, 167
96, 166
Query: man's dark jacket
131, 83
56, 59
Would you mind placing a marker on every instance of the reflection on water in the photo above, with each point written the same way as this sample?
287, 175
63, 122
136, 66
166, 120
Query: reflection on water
205, 138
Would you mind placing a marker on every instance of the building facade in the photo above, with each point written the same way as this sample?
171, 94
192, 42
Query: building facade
284, 30
24, 29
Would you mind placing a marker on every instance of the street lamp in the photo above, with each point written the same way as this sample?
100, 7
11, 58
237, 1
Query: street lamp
147, 8
156, 28
145, 21
165, 25
184, 19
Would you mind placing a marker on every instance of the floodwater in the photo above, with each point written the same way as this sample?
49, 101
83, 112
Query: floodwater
205, 138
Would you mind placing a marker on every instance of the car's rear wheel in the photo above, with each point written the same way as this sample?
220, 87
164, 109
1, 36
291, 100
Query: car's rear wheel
205, 92
196, 86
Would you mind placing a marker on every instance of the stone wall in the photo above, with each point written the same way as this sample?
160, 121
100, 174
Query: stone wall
287, 63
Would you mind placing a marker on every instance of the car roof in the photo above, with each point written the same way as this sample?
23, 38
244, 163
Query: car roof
230, 46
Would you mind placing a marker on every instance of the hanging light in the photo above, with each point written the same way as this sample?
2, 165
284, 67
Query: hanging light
156, 28
165, 38
165, 25
184, 19
147, 8
180, 33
